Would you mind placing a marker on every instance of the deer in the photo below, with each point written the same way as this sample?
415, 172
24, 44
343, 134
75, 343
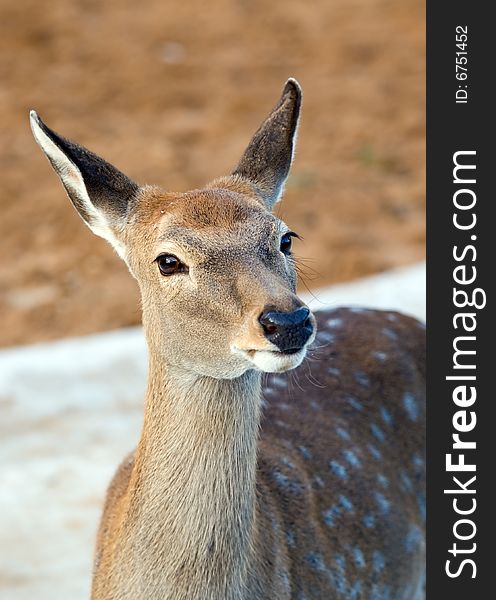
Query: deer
281, 454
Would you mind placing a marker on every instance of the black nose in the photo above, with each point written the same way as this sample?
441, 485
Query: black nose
289, 331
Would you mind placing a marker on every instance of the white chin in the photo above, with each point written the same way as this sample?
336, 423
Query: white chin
276, 362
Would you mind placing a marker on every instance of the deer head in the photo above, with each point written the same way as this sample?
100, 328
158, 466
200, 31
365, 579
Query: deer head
214, 265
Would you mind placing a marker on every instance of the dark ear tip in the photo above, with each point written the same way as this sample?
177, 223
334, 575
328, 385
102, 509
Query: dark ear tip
293, 88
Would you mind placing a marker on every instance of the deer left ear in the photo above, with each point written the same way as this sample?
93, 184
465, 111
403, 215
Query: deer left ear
101, 194
267, 160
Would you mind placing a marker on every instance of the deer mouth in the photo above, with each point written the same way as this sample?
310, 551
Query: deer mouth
275, 361
291, 351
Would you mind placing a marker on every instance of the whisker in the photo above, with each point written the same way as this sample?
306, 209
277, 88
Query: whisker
295, 379
311, 379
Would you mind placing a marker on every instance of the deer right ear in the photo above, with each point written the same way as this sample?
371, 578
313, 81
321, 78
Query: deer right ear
101, 194
267, 160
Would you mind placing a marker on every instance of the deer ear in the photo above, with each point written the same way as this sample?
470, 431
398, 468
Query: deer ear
101, 194
267, 160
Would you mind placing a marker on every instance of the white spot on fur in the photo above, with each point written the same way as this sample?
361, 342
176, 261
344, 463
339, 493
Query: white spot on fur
290, 537
352, 458
343, 434
318, 480
305, 452
286, 461
410, 406
325, 337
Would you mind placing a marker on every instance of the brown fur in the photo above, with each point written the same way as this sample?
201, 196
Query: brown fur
306, 485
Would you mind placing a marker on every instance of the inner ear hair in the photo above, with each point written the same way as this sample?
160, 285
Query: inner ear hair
101, 194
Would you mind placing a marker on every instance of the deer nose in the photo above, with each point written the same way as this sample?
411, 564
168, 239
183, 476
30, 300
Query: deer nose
289, 331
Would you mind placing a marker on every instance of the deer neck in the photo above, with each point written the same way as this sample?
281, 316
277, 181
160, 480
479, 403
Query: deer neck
194, 480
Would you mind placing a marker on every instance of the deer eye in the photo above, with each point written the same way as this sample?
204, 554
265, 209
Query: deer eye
169, 264
286, 242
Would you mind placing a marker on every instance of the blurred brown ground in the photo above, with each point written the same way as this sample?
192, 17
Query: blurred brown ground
170, 92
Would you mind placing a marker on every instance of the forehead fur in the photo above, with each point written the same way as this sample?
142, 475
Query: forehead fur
214, 207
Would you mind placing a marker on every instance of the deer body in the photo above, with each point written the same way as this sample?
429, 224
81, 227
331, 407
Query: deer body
304, 484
